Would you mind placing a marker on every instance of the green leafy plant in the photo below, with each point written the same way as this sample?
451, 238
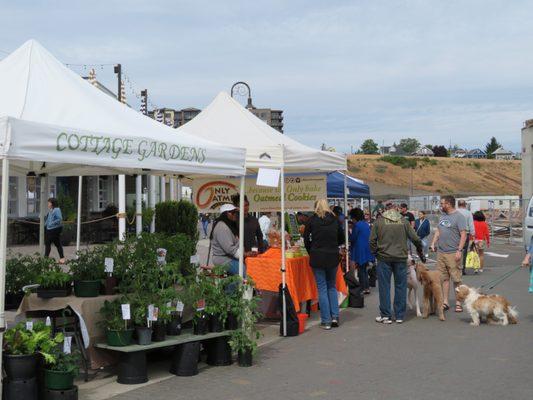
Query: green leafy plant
173, 217
24, 270
246, 337
403, 162
21, 341
111, 313
63, 362
55, 279
89, 264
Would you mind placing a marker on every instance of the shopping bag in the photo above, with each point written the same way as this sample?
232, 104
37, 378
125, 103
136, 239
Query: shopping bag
472, 260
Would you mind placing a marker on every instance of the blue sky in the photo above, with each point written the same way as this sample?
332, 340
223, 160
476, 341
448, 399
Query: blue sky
342, 71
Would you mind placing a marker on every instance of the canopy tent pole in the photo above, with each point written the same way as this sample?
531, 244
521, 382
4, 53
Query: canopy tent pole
163, 190
43, 211
121, 207
283, 246
172, 188
180, 188
78, 217
3, 251
151, 200
346, 216
241, 226
138, 204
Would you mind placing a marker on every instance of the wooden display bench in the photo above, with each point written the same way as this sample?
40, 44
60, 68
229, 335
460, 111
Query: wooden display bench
132, 366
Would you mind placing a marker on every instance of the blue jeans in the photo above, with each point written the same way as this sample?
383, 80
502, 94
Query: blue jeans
362, 274
205, 226
327, 293
233, 268
384, 271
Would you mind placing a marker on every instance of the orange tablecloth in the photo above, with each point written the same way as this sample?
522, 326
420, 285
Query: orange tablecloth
265, 272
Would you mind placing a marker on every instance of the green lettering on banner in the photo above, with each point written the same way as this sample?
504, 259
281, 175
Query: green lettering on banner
58, 147
116, 147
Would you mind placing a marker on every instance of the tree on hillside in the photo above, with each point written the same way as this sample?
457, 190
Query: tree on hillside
440, 151
409, 145
369, 146
491, 147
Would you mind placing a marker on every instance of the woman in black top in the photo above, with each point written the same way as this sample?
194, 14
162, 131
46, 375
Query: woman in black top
323, 235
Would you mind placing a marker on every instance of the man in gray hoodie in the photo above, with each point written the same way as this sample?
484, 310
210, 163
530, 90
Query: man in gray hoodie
388, 242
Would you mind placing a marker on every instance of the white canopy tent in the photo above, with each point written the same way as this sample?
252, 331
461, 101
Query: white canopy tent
225, 120
53, 122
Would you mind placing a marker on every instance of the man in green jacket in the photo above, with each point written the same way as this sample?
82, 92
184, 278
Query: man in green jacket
388, 242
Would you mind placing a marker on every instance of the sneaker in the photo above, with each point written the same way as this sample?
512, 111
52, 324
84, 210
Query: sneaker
475, 271
325, 326
335, 323
481, 271
399, 321
383, 320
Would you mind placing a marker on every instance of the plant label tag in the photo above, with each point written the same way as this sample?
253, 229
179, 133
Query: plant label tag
156, 313
126, 311
109, 264
67, 345
169, 304
200, 305
248, 293
48, 321
179, 306
195, 259
151, 312
29, 325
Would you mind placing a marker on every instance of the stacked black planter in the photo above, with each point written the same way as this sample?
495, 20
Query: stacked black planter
69, 394
21, 377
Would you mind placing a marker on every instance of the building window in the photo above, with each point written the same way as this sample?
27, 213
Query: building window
12, 205
33, 195
104, 185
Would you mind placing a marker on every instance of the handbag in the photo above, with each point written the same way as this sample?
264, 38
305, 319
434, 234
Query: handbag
472, 258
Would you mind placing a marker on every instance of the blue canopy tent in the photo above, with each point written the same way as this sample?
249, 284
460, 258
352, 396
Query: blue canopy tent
356, 189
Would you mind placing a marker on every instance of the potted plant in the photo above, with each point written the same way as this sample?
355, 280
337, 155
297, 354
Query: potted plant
19, 273
60, 371
22, 347
88, 271
244, 339
117, 331
54, 283
143, 326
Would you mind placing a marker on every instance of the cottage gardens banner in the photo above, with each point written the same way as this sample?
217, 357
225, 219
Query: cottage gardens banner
301, 192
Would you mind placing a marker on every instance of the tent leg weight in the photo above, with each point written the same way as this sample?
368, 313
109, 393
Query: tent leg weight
132, 368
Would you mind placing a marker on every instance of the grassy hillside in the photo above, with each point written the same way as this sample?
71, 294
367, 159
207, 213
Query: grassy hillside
440, 175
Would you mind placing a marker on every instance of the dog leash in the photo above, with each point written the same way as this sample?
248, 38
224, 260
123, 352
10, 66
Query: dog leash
500, 279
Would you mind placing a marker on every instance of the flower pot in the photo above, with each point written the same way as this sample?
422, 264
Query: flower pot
58, 380
87, 288
201, 325
245, 358
119, 338
232, 322
174, 325
19, 368
215, 323
111, 283
69, 394
144, 335
185, 359
159, 331
26, 389
50, 293
13, 300
219, 352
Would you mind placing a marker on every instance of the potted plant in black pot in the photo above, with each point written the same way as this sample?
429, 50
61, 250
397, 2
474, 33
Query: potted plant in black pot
54, 283
21, 349
244, 340
19, 273
117, 331
88, 271
143, 324
60, 371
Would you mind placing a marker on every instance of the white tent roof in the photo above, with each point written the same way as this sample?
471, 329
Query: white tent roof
226, 121
51, 117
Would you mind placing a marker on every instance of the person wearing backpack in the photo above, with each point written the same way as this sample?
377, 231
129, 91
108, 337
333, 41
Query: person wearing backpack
423, 230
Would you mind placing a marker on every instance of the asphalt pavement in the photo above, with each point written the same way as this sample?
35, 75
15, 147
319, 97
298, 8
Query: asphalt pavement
420, 359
